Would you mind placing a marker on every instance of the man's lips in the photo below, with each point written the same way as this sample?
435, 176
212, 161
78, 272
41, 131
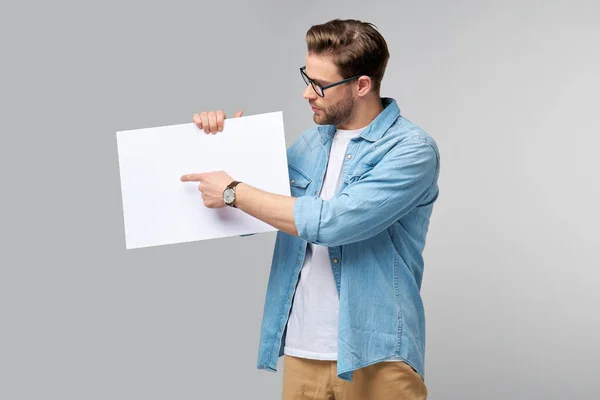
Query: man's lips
314, 108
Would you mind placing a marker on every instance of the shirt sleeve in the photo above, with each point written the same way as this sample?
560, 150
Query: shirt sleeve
391, 189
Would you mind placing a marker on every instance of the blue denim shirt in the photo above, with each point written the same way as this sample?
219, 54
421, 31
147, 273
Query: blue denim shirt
375, 230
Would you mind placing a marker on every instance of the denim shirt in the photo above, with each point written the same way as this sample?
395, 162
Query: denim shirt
375, 230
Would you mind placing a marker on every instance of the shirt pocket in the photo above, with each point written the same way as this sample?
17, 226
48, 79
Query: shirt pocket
299, 181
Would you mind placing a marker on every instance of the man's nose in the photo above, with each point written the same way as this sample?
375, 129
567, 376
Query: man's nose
309, 93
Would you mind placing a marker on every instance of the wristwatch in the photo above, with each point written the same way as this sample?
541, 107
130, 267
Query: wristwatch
229, 194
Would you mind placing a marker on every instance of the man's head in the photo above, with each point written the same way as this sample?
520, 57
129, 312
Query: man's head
350, 54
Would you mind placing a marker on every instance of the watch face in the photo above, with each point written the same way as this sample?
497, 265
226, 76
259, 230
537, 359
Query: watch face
228, 196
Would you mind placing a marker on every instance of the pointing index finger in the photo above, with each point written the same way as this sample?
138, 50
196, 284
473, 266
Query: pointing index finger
191, 177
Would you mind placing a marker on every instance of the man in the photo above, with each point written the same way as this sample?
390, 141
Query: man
343, 301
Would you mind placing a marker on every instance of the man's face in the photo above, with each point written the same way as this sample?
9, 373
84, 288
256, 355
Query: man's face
337, 106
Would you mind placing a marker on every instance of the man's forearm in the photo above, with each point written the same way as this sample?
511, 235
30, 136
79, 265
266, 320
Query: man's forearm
273, 209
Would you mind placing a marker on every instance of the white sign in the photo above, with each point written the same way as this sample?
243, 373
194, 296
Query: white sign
159, 209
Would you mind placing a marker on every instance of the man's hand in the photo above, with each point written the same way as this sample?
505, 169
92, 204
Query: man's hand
274, 209
212, 121
212, 185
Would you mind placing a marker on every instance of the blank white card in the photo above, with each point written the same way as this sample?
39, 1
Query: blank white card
159, 209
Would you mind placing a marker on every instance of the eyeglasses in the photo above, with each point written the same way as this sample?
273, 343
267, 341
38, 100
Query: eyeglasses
320, 90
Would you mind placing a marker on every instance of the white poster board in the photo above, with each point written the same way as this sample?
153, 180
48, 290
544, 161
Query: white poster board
159, 209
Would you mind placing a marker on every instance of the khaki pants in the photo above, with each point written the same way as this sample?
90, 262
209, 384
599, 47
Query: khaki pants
305, 379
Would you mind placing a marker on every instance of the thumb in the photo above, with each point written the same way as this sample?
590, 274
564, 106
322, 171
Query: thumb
238, 114
197, 120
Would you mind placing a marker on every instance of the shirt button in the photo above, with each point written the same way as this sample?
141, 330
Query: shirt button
335, 260
292, 180
349, 156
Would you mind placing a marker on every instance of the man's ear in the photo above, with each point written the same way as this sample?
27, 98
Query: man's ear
364, 85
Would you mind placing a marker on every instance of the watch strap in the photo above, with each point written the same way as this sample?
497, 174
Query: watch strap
233, 184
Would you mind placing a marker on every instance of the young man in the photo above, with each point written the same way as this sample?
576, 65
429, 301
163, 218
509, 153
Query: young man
343, 301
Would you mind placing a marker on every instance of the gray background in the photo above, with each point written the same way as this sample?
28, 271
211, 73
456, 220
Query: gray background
509, 89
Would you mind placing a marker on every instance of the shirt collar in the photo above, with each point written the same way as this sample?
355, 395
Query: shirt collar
375, 129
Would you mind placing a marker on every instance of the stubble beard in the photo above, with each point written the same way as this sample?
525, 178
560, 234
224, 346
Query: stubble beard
335, 114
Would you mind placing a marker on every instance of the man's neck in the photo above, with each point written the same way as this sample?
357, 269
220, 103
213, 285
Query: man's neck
365, 112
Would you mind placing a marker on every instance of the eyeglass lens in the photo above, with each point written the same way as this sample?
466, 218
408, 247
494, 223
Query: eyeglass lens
316, 87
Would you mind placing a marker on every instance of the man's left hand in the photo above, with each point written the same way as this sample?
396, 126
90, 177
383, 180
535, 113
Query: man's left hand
212, 185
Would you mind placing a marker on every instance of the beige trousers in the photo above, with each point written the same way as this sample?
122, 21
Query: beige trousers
305, 379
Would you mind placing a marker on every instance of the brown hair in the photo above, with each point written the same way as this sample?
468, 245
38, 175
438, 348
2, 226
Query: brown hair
357, 48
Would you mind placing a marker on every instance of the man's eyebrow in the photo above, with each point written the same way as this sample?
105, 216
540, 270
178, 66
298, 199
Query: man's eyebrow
319, 81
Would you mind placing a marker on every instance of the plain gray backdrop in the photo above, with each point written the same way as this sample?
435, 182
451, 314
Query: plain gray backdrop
509, 89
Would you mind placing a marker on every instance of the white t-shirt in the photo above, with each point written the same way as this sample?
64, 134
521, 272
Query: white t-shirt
312, 330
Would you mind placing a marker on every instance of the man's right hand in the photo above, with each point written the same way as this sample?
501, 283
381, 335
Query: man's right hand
212, 121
